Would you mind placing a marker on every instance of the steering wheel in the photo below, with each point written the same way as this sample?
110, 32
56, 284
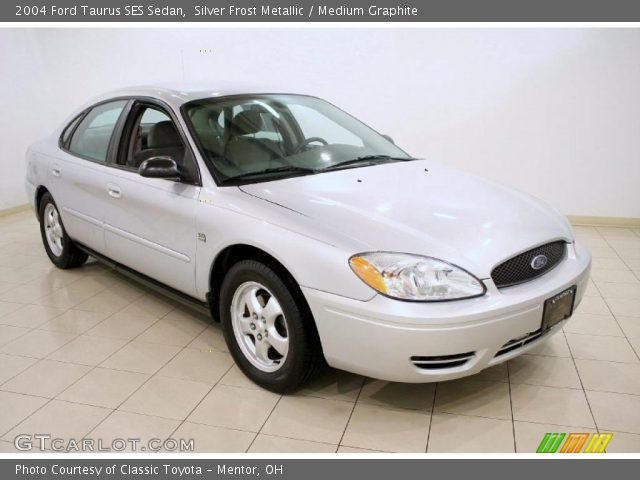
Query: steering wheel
309, 140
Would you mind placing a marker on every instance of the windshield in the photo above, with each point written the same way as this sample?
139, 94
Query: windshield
251, 138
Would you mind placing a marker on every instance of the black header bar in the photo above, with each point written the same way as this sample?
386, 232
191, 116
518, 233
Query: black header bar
384, 11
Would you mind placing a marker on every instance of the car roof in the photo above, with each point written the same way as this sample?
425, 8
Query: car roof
178, 94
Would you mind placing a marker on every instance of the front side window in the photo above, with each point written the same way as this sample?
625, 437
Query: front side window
92, 136
253, 138
152, 133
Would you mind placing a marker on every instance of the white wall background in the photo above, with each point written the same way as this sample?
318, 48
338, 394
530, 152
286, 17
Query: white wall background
555, 112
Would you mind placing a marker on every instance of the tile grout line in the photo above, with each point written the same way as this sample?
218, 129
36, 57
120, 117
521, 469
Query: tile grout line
39, 359
183, 421
615, 250
151, 375
615, 318
64, 311
312, 441
93, 367
604, 299
584, 392
513, 420
635, 362
433, 407
62, 287
263, 423
20, 372
622, 330
65, 286
346, 426
30, 329
90, 370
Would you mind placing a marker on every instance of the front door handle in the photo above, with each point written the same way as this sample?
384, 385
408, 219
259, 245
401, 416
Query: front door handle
114, 190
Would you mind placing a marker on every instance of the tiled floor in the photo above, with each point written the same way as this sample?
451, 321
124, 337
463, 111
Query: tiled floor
87, 353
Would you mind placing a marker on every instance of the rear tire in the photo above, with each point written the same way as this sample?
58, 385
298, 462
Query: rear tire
59, 247
268, 328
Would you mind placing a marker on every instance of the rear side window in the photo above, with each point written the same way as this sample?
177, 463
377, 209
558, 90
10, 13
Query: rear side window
92, 136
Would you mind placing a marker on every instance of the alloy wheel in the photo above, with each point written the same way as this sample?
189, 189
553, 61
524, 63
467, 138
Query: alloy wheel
54, 232
259, 326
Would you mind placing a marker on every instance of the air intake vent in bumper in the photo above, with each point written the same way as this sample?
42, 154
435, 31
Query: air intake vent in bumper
521, 269
440, 362
519, 342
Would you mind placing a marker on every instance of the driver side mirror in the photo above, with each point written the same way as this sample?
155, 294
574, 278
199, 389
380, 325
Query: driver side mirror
160, 167
388, 138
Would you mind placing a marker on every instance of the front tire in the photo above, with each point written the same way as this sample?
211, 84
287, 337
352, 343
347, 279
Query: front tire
59, 247
267, 327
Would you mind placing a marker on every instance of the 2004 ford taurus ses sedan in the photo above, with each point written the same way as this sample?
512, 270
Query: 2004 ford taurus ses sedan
308, 235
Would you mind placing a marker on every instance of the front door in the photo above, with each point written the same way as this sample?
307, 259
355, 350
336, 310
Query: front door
150, 225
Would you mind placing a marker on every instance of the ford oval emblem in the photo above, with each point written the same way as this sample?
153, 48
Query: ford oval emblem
539, 261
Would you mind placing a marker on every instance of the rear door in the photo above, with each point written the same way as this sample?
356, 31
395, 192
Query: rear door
77, 176
150, 223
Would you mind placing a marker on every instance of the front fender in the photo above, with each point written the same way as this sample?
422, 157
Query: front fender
315, 263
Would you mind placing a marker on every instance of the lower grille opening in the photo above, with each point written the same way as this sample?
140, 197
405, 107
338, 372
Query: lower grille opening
519, 342
438, 362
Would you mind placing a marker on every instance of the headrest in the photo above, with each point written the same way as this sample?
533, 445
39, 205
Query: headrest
163, 135
247, 122
204, 119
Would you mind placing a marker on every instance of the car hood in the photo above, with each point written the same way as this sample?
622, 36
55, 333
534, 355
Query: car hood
421, 207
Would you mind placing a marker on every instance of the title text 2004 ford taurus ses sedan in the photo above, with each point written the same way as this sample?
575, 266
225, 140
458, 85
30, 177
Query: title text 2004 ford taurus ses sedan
308, 235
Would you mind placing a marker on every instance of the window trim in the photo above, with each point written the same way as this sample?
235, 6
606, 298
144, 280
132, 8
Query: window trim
115, 133
71, 128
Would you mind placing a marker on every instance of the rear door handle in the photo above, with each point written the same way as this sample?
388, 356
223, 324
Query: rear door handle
113, 190
56, 171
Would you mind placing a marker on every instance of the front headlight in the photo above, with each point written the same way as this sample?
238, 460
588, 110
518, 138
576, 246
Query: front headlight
414, 277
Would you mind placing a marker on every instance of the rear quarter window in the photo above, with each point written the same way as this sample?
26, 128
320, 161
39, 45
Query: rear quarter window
68, 130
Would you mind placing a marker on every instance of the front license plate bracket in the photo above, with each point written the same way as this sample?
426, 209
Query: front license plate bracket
558, 308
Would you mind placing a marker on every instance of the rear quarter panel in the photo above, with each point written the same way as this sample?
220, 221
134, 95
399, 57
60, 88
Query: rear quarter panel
36, 167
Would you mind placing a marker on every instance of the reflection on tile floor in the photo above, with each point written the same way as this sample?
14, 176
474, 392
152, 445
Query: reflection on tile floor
88, 353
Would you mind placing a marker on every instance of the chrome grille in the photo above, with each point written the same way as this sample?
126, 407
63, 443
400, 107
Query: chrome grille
519, 269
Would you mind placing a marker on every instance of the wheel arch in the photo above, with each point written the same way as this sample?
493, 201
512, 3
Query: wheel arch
232, 254
40, 191
235, 253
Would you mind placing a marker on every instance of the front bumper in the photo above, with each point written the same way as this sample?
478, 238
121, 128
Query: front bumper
378, 338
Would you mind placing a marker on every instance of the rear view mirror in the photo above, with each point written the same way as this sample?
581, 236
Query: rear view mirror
160, 167
388, 138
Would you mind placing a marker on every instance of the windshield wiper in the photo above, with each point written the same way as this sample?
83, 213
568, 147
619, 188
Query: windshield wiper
365, 160
282, 169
